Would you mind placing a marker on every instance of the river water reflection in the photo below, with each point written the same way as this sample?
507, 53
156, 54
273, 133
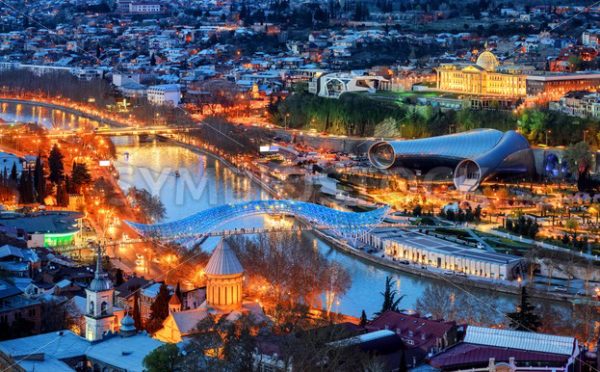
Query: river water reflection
204, 182
153, 164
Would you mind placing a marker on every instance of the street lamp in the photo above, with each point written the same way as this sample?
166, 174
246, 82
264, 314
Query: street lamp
287, 115
548, 132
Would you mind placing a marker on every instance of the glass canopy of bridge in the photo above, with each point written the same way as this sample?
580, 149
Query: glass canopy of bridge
207, 221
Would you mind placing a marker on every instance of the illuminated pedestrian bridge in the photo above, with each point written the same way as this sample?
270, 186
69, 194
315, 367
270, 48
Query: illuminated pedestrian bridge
350, 224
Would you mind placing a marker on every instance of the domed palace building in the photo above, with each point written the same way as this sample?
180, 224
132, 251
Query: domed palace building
486, 77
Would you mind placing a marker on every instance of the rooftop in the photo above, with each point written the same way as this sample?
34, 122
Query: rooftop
415, 327
188, 320
54, 345
47, 222
123, 353
466, 354
223, 261
434, 244
529, 341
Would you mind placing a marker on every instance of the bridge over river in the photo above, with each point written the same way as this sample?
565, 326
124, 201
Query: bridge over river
113, 127
314, 216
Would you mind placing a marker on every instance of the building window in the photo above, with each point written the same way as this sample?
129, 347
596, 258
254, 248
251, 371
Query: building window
103, 308
91, 309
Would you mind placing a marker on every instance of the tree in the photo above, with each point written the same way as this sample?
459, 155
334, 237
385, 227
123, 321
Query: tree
417, 210
477, 213
387, 128
308, 273
579, 160
119, 277
55, 162
205, 341
524, 319
57, 315
62, 195
159, 310
136, 313
363, 319
438, 301
150, 205
402, 367
80, 176
572, 225
13, 174
272, 106
532, 123
26, 188
390, 302
443, 302
166, 358
575, 62
178, 292
39, 181
361, 12
239, 344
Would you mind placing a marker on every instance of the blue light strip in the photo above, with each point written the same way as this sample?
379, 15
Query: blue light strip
208, 220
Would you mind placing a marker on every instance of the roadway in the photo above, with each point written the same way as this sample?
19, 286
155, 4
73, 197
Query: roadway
69, 110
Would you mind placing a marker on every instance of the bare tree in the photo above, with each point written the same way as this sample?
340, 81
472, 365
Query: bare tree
445, 303
289, 268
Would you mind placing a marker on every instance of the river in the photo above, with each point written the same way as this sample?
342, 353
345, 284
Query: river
48, 118
205, 182
151, 165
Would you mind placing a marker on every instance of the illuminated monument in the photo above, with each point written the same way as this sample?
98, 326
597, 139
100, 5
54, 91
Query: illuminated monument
485, 77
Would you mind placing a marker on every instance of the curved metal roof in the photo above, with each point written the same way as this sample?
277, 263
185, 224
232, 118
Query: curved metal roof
208, 220
477, 154
223, 261
458, 145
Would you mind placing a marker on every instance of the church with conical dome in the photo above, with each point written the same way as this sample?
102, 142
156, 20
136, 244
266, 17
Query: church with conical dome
224, 279
224, 297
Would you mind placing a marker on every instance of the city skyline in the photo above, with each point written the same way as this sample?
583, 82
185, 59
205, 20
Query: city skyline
347, 185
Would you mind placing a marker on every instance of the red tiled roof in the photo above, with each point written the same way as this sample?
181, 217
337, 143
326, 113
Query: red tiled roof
394, 321
470, 355
174, 300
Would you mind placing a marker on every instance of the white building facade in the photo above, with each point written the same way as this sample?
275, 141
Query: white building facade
166, 94
145, 8
422, 249
333, 85
580, 105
